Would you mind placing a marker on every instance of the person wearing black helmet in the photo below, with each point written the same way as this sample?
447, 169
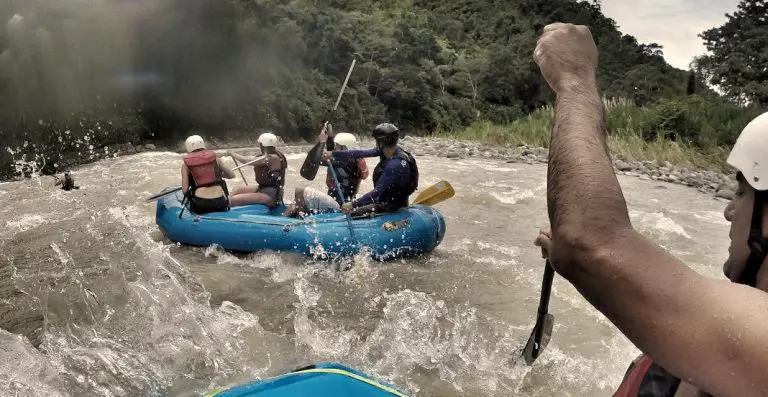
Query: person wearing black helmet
394, 178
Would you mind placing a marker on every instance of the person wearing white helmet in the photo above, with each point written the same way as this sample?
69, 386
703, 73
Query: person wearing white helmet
202, 178
350, 173
699, 336
269, 171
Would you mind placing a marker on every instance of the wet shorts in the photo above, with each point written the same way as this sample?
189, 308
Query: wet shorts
319, 202
269, 191
202, 206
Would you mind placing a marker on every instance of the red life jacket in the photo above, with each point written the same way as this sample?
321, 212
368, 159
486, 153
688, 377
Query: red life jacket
203, 169
630, 386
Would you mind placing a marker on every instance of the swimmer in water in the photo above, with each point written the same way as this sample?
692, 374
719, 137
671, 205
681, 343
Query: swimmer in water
67, 183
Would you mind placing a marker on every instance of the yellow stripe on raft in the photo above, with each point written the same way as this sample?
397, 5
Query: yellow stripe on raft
329, 371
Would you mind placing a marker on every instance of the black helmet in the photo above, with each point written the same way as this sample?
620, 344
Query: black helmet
386, 134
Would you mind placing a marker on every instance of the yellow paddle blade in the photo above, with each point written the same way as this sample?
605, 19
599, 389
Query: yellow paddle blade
436, 193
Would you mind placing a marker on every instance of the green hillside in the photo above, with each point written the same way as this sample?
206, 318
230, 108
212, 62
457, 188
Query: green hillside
156, 69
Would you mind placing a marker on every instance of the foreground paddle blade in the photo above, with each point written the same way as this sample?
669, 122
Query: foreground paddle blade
163, 193
542, 331
532, 348
436, 193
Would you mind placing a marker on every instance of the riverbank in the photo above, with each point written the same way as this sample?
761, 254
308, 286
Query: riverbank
706, 180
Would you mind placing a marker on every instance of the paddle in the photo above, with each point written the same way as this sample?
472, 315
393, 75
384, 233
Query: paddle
341, 197
312, 162
161, 194
241, 171
248, 163
542, 331
434, 194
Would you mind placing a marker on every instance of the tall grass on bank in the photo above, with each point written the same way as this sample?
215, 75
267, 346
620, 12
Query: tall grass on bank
691, 131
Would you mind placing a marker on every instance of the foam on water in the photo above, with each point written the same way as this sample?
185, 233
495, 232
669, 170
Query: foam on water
517, 194
514, 196
165, 330
280, 271
296, 156
712, 217
126, 317
658, 221
26, 222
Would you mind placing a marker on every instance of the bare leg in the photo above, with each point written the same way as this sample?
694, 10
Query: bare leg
252, 198
243, 189
245, 195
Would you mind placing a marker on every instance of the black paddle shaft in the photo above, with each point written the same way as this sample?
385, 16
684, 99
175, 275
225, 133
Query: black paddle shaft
546, 291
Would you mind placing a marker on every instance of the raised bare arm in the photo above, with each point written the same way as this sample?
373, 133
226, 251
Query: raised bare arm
699, 329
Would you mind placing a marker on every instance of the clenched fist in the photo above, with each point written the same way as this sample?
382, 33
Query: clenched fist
566, 55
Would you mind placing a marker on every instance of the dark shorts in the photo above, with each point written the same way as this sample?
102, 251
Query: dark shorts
269, 191
202, 206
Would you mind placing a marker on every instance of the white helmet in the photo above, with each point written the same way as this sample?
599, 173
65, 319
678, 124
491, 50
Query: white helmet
345, 138
750, 153
268, 139
194, 142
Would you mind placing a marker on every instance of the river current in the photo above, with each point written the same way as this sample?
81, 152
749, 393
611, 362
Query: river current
95, 301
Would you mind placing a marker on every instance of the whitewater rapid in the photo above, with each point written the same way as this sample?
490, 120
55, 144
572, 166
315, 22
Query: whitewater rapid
95, 301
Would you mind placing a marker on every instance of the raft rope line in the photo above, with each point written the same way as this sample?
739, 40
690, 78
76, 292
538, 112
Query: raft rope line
330, 371
286, 226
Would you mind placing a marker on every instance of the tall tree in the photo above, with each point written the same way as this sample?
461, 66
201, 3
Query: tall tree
738, 56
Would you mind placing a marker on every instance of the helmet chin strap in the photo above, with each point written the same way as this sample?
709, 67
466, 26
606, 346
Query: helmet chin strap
758, 244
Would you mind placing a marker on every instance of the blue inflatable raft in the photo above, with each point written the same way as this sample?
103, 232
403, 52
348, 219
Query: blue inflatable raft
319, 380
409, 232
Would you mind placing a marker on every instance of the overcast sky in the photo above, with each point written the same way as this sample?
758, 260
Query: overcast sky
674, 24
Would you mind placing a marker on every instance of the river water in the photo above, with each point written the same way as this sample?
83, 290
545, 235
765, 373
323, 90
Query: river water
95, 301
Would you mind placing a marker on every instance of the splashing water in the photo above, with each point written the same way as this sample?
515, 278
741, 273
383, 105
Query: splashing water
95, 301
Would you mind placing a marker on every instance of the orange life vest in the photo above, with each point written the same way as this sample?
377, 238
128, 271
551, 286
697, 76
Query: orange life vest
203, 169
630, 386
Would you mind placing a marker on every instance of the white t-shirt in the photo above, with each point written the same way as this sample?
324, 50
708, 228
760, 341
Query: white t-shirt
319, 201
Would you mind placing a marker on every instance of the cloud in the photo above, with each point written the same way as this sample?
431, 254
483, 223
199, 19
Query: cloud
674, 24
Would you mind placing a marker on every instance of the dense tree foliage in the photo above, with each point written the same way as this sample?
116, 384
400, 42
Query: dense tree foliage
738, 57
155, 69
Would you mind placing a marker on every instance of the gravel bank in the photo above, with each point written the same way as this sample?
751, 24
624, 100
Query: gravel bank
711, 182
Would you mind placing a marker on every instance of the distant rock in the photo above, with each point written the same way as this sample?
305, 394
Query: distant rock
622, 165
726, 194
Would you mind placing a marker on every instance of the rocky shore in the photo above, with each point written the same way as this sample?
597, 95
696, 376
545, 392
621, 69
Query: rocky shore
711, 182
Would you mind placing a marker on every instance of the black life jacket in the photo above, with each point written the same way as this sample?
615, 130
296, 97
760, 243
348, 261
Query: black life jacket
348, 173
396, 196
274, 177
277, 177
